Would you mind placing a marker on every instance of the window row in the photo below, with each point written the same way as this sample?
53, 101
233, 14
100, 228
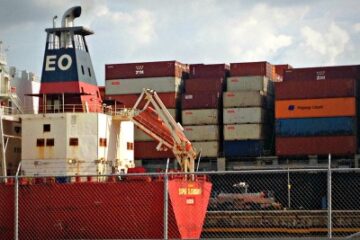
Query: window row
42, 142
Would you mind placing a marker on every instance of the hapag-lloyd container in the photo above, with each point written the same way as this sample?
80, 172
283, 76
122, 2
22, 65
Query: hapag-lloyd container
244, 99
322, 73
145, 70
209, 70
331, 88
140, 135
316, 126
243, 148
324, 145
147, 150
204, 85
208, 148
202, 132
170, 99
130, 86
200, 117
252, 69
200, 100
251, 83
245, 131
244, 115
323, 107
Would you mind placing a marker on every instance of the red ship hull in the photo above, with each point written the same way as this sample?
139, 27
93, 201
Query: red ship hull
118, 210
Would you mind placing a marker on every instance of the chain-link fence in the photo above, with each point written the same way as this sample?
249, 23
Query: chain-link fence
243, 204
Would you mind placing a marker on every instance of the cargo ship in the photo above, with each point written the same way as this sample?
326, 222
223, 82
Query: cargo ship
76, 142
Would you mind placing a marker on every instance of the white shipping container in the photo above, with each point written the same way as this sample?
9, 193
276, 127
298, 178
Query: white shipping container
245, 131
208, 149
202, 132
244, 115
200, 117
244, 99
131, 86
140, 135
254, 83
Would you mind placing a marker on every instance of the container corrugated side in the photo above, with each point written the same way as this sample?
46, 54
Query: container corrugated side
208, 70
322, 73
130, 86
331, 88
244, 148
323, 107
202, 132
204, 85
169, 99
200, 117
200, 100
145, 70
280, 70
208, 148
316, 126
324, 145
245, 131
244, 99
244, 115
252, 69
250, 83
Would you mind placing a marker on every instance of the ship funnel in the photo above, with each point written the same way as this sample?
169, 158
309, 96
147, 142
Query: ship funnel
70, 15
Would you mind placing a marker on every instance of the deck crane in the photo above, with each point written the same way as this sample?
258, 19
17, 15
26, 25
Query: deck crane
151, 116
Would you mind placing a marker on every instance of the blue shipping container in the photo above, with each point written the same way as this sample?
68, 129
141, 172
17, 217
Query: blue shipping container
246, 148
316, 126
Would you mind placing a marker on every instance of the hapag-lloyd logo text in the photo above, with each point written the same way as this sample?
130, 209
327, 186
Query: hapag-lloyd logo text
139, 69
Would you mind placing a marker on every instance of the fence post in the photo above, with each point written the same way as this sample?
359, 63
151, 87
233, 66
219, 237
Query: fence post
166, 204
16, 203
329, 198
166, 200
16, 207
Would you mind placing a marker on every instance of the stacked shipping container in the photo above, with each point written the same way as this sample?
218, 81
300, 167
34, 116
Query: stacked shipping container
125, 82
316, 111
316, 108
201, 104
248, 109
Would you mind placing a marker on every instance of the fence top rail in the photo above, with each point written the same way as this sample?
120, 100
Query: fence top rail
152, 174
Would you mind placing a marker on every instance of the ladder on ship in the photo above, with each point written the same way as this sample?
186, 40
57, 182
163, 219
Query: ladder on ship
5, 138
17, 103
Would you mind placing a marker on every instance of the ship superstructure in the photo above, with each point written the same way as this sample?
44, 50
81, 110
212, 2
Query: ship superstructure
75, 141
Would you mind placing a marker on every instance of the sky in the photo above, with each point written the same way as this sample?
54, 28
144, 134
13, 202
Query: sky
302, 33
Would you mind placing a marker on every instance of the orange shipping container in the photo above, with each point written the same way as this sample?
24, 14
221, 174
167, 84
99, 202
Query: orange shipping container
325, 107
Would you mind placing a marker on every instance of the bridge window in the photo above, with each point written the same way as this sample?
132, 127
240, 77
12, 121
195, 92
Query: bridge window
102, 142
46, 127
74, 142
89, 72
50, 142
53, 41
40, 142
82, 70
79, 42
130, 146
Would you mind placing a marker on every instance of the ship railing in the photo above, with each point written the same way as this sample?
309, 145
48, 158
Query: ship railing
55, 108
